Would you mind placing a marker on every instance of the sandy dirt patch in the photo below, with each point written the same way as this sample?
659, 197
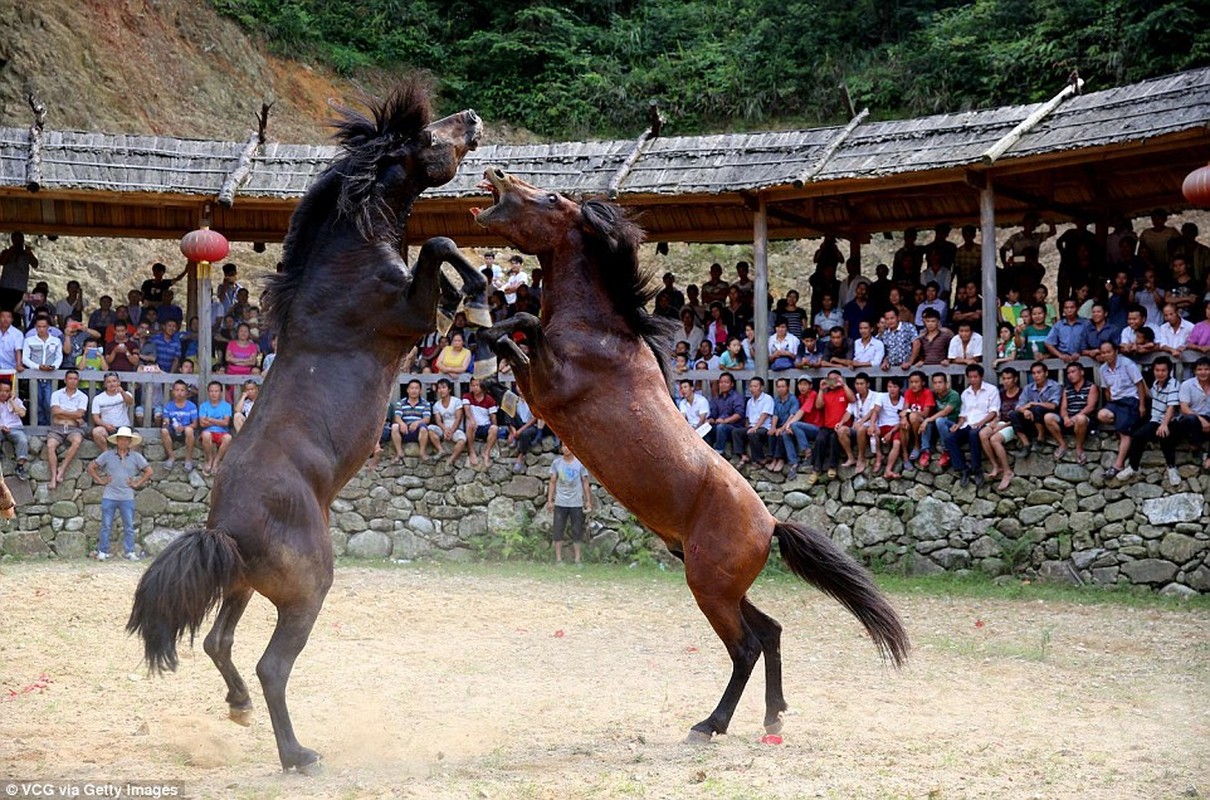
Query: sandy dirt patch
498, 682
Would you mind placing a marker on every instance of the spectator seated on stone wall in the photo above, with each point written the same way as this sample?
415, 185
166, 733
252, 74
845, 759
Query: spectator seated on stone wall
693, 407
110, 410
481, 424
68, 409
243, 406
995, 435
785, 408
179, 426
448, 421
751, 440
525, 432
727, 411
1173, 336
810, 418
1099, 330
1039, 397
214, 418
918, 406
965, 348
932, 346
937, 425
1067, 337
980, 405
837, 350
783, 348
1076, 414
1159, 426
833, 402
409, 422
1194, 396
12, 426
856, 435
891, 409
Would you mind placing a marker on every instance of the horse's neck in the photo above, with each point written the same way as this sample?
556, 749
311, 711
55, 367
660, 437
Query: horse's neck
571, 291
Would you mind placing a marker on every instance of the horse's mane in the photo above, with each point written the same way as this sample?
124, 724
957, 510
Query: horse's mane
350, 186
616, 239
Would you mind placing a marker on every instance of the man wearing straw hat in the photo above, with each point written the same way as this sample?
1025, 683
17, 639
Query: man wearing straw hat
125, 471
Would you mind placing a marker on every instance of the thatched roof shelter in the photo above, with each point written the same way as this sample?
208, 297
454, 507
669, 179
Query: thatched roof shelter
1101, 154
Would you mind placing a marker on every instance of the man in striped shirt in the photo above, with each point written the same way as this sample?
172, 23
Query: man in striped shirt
1077, 409
412, 414
1165, 407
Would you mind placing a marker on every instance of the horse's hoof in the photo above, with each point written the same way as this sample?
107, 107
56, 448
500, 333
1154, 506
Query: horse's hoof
698, 737
311, 770
444, 322
485, 367
240, 716
775, 727
478, 315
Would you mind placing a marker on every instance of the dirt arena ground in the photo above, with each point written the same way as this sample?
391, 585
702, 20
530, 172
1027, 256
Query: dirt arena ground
486, 682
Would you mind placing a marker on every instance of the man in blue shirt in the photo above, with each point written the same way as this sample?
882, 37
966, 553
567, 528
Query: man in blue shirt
214, 418
1067, 337
1040, 397
726, 412
179, 425
1101, 330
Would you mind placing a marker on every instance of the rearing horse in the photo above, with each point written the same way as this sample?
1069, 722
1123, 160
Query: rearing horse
597, 375
347, 309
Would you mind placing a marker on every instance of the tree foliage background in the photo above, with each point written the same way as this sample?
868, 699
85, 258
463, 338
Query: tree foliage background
589, 67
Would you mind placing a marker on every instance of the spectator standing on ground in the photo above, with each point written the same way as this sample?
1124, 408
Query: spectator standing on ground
1165, 409
154, 287
125, 471
12, 426
1153, 242
179, 425
568, 500
715, 289
214, 418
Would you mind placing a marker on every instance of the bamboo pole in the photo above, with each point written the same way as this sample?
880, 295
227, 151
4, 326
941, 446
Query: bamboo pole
1029, 123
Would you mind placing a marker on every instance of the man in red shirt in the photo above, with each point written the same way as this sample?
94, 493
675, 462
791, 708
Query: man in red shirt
919, 403
481, 425
832, 402
122, 354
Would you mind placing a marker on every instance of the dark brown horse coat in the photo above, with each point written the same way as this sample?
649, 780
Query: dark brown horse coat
595, 374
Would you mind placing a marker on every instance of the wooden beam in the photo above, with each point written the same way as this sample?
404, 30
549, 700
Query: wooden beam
832, 147
1029, 123
243, 168
33, 163
636, 152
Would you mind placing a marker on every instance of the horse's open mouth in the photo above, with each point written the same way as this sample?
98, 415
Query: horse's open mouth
495, 182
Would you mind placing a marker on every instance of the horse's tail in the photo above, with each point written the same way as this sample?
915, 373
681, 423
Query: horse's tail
816, 559
179, 589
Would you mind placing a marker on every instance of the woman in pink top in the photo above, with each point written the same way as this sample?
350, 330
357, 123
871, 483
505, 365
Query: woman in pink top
1199, 337
242, 352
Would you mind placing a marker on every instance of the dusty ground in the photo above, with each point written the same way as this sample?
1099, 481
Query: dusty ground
498, 682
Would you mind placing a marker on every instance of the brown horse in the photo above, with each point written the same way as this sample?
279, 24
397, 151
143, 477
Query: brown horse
596, 374
347, 309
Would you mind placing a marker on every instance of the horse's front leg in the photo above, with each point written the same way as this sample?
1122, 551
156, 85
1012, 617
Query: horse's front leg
430, 288
499, 339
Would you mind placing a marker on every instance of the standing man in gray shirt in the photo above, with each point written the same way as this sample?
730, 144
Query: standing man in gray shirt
125, 471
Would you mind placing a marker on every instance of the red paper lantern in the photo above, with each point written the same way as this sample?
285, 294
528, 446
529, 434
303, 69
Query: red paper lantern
1196, 187
205, 245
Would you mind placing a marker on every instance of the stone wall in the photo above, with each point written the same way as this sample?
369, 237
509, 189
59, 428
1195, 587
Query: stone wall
1056, 521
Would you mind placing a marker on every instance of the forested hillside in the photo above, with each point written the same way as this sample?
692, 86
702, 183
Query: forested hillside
573, 68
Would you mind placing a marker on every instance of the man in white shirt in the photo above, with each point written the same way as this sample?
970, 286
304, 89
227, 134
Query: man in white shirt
864, 411
1125, 398
966, 347
783, 347
891, 405
759, 413
980, 405
694, 407
932, 299
1174, 333
1194, 397
867, 351
42, 352
68, 407
516, 277
110, 410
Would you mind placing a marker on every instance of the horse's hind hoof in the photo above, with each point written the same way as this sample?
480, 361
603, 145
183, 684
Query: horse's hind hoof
240, 716
485, 367
478, 315
774, 728
698, 737
312, 770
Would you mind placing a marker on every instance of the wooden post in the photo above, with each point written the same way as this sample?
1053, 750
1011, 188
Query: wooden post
855, 246
205, 344
987, 219
760, 293
191, 293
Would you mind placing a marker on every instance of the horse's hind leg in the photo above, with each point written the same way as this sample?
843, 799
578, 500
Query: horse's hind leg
294, 625
218, 646
744, 648
768, 632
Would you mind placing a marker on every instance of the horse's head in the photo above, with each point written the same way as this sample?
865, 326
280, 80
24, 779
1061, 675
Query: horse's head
532, 219
393, 157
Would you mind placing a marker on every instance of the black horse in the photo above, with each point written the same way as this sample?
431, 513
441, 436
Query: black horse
347, 309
